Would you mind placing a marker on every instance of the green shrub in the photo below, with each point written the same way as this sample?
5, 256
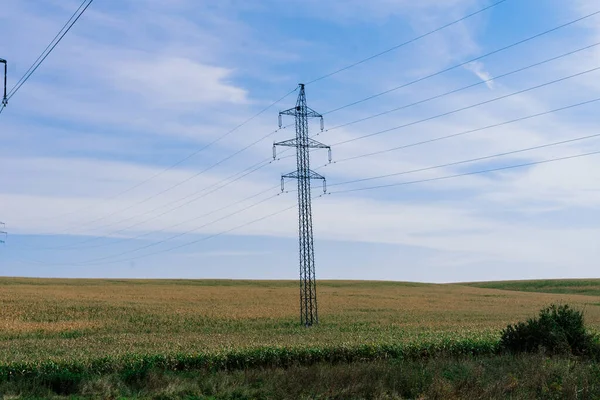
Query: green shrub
558, 329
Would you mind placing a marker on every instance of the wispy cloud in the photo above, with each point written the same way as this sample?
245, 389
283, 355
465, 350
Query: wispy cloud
478, 68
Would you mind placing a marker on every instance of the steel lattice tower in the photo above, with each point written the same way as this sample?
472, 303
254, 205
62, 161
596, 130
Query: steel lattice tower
3, 233
4, 99
303, 144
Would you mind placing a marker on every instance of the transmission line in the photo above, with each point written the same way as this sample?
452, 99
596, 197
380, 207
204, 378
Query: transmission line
478, 83
451, 164
95, 261
198, 217
467, 107
75, 246
479, 172
463, 63
293, 206
237, 127
197, 174
57, 39
361, 189
439, 138
369, 154
191, 155
262, 111
407, 42
485, 171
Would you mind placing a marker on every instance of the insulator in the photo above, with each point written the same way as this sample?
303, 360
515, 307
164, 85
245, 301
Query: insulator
329, 154
282, 184
324, 186
274, 151
280, 121
322, 124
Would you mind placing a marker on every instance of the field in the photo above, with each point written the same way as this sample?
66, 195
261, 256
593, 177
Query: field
78, 322
83, 319
588, 287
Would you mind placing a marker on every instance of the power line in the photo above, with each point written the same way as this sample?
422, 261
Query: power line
485, 171
467, 107
210, 236
407, 42
255, 168
187, 232
248, 171
199, 217
197, 174
96, 261
578, 139
439, 138
49, 44
350, 140
262, 111
346, 191
351, 158
478, 83
191, 155
49, 48
463, 63
237, 127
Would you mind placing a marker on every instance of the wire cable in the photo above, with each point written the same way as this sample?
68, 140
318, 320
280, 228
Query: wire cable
47, 51
451, 164
208, 237
466, 108
197, 218
172, 166
439, 138
75, 246
528, 39
197, 174
407, 42
339, 192
478, 83
572, 140
485, 171
95, 261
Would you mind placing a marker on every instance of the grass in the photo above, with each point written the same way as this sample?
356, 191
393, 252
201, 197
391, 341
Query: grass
92, 330
480, 377
588, 287
62, 320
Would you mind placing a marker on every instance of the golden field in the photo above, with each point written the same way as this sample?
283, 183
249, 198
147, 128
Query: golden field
65, 319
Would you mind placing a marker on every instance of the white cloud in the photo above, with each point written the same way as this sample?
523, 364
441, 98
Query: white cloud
478, 68
176, 81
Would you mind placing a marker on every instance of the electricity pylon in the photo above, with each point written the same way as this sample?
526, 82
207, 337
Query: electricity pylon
3, 233
303, 144
4, 99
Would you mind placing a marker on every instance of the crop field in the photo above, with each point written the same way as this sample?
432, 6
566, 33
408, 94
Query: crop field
589, 287
79, 320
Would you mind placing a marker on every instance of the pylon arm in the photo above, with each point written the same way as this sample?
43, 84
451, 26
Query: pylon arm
312, 144
311, 175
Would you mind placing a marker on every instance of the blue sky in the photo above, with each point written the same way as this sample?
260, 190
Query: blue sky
137, 86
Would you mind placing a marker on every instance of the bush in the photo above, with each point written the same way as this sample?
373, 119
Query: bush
557, 330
